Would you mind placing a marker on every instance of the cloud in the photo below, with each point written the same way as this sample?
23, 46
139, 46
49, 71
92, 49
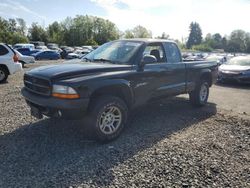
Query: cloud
174, 17
9, 7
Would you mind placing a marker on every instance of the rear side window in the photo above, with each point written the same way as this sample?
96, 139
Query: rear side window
155, 49
172, 52
3, 50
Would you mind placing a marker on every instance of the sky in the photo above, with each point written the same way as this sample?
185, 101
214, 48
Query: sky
170, 16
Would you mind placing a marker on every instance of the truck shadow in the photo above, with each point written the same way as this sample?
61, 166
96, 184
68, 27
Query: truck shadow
5, 82
53, 153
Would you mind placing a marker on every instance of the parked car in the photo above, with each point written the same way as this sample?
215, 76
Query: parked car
23, 45
72, 56
90, 48
236, 69
41, 48
8, 62
37, 43
27, 51
46, 55
24, 59
77, 54
218, 58
52, 45
65, 51
113, 79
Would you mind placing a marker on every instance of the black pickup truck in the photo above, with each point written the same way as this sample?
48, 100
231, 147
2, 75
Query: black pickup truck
112, 80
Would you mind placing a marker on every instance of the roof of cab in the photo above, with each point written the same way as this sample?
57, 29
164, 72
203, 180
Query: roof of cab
147, 40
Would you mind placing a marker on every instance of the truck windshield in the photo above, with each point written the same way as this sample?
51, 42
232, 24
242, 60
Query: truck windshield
119, 52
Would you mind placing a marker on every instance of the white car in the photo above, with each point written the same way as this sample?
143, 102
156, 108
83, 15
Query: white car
24, 59
8, 62
41, 48
23, 45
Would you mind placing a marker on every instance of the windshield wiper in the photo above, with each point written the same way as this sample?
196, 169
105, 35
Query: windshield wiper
107, 61
103, 60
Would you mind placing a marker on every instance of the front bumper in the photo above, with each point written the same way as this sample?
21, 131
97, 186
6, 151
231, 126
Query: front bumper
15, 67
53, 107
240, 78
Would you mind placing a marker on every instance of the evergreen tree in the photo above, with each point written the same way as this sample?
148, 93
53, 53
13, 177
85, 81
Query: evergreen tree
195, 36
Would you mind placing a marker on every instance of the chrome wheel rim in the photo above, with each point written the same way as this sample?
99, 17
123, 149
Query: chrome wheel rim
110, 120
2, 75
203, 92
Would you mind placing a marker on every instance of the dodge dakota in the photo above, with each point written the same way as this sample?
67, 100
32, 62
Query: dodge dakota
106, 84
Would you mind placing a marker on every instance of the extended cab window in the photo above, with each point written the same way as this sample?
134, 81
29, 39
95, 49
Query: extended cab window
172, 52
157, 51
3, 50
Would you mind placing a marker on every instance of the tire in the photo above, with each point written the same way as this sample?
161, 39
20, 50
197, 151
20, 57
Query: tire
3, 74
199, 96
108, 115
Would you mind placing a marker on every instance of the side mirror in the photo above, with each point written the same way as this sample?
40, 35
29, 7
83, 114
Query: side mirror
147, 59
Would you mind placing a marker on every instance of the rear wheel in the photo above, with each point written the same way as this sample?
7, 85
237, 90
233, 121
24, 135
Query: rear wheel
108, 115
3, 74
199, 96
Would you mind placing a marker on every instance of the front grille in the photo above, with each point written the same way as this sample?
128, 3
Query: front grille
37, 85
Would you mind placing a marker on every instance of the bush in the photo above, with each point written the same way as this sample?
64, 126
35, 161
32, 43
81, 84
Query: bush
91, 42
202, 48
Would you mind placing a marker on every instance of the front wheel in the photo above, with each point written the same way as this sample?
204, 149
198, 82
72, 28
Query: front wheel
108, 116
199, 96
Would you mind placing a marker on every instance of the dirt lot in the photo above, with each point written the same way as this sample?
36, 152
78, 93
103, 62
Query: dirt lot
168, 143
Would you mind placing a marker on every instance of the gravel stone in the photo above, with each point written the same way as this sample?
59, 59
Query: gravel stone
166, 144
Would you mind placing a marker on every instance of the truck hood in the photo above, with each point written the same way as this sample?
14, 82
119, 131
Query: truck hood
64, 71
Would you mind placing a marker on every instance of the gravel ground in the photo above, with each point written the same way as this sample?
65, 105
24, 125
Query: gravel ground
168, 143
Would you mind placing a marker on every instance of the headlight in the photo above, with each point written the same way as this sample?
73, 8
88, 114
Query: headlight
64, 92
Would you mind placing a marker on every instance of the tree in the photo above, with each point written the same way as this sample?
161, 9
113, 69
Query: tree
10, 33
37, 33
55, 33
202, 47
18, 38
217, 41
247, 41
138, 32
83, 30
12, 25
22, 28
163, 36
141, 32
4, 31
91, 42
224, 43
128, 34
195, 36
237, 41
104, 31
